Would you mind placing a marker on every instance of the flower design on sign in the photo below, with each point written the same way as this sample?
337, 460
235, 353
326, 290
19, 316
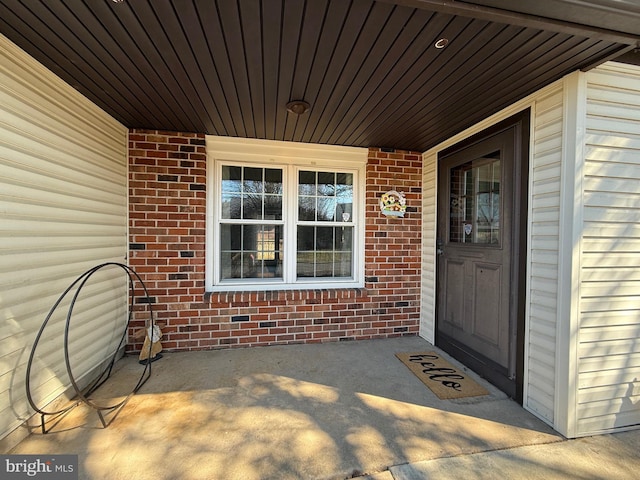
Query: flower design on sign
393, 204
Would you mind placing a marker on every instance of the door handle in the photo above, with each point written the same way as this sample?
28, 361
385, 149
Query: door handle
439, 249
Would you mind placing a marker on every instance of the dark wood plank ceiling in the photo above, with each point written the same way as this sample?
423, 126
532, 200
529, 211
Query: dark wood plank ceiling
368, 68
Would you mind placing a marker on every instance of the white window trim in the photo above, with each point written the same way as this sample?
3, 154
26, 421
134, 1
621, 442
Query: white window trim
267, 153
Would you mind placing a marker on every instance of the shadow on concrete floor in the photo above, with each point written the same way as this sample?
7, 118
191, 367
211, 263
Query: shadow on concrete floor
323, 411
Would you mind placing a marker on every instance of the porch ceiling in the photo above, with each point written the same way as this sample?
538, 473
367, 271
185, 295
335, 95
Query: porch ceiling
368, 68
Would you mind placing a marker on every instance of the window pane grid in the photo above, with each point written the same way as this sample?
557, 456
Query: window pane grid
255, 225
251, 251
325, 225
325, 196
251, 193
324, 252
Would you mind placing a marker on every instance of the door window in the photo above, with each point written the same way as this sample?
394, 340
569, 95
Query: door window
475, 201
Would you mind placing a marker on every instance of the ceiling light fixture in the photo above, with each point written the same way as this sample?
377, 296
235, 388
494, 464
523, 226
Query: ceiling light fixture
298, 107
440, 44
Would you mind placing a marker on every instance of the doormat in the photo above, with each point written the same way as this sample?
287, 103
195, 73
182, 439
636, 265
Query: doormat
440, 376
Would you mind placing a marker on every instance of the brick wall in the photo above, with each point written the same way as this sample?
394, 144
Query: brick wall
167, 201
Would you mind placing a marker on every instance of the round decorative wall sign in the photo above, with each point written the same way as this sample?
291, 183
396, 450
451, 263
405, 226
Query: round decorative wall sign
393, 204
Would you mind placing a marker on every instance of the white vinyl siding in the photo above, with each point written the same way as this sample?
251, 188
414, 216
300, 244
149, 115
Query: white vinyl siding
609, 295
543, 232
429, 223
63, 210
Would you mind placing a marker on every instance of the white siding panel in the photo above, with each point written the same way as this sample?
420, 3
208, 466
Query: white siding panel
593, 319
429, 222
546, 157
609, 333
611, 362
63, 210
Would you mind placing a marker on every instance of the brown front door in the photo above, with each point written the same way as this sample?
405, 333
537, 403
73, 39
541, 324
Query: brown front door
478, 273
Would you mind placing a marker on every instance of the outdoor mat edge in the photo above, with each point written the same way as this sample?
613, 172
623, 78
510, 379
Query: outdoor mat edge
443, 379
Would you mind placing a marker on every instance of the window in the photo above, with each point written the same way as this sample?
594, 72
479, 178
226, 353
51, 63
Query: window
284, 215
475, 201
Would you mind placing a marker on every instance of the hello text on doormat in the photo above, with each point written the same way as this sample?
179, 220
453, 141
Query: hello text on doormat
440, 376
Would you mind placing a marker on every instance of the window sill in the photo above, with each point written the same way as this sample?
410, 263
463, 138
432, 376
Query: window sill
279, 286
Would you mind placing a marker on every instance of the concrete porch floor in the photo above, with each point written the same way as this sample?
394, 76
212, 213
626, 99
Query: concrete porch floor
324, 411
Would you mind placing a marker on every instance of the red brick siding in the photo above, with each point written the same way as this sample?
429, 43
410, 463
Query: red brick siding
167, 201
